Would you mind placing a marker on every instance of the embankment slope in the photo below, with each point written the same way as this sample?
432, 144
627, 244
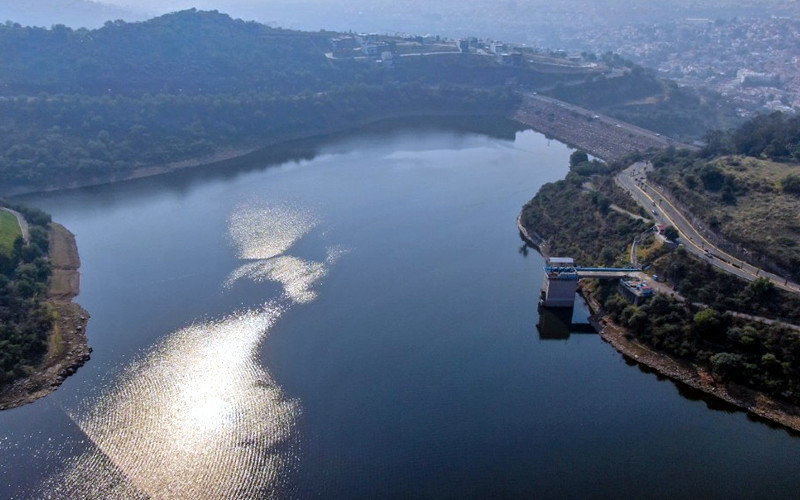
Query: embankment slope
68, 348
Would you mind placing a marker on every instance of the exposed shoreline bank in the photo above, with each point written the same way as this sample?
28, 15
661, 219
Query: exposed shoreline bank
680, 371
233, 153
68, 348
690, 374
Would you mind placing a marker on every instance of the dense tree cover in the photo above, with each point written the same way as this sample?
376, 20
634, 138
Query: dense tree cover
208, 53
791, 184
575, 217
700, 282
190, 52
639, 97
671, 233
609, 91
580, 165
25, 318
774, 136
84, 105
763, 357
107, 137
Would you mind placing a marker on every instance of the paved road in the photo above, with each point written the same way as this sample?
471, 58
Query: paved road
330, 55
23, 224
633, 180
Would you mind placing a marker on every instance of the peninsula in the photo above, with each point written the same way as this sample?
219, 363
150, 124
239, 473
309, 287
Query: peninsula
44, 331
724, 324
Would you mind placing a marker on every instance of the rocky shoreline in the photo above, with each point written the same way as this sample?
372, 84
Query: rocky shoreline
690, 374
68, 347
680, 371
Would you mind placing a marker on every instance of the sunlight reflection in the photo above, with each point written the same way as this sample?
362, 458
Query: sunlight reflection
198, 417
265, 231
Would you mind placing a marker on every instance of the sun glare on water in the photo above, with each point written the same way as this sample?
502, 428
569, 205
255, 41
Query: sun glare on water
198, 416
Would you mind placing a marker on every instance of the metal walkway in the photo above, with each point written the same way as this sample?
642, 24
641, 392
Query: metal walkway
606, 272
591, 272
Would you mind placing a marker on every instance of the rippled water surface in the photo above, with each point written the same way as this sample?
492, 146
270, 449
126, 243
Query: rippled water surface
355, 317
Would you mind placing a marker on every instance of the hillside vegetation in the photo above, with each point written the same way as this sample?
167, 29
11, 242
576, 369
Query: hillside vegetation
77, 138
84, 106
25, 317
576, 218
745, 186
188, 52
641, 98
9, 232
96, 105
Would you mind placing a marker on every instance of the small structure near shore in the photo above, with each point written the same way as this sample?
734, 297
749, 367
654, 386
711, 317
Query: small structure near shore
635, 290
561, 277
560, 282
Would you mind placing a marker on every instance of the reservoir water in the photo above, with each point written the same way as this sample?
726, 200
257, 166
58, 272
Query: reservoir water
356, 317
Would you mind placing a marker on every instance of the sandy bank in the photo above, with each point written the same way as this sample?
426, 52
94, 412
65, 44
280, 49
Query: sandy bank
68, 348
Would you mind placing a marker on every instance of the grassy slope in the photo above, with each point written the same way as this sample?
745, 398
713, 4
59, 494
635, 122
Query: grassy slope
9, 231
764, 219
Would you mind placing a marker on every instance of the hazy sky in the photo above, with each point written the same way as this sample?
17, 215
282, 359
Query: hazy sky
537, 22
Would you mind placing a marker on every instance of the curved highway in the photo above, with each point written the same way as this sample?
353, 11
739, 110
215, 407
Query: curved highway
633, 180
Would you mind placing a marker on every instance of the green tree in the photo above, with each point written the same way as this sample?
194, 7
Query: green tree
791, 184
708, 322
725, 364
671, 233
577, 157
761, 288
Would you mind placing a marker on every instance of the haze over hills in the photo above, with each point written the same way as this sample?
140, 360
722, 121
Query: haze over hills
73, 13
190, 83
536, 22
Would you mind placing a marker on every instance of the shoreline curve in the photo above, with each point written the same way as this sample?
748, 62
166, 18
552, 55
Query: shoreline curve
68, 347
683, 372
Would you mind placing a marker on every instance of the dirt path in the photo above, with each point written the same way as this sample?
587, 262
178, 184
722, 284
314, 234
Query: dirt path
68, 348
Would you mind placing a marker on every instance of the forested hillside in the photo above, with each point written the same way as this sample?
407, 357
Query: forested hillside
188, 52
575, 216
74, 138
775, 137
82, 106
